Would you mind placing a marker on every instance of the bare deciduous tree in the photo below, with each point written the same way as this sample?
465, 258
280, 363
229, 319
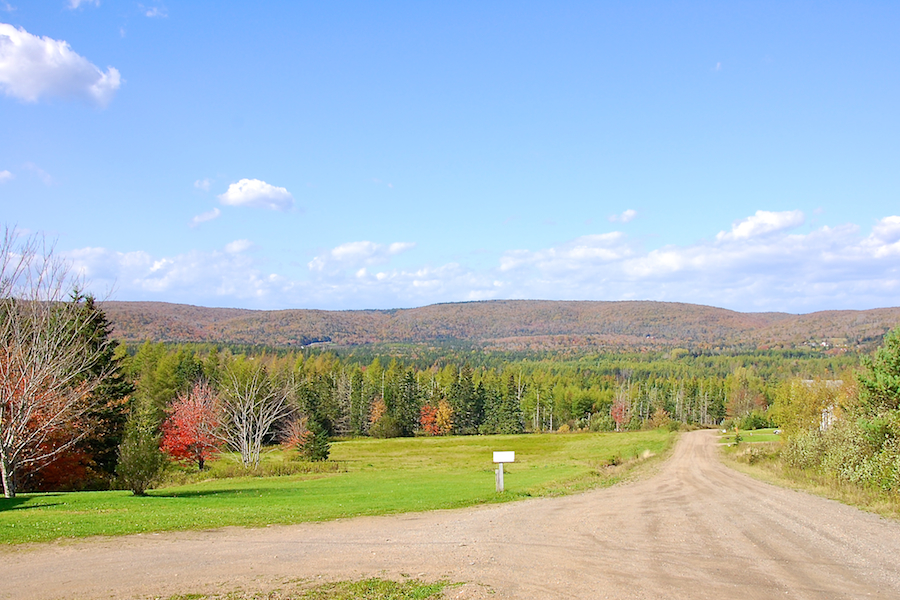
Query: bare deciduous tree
48, 358
251, 404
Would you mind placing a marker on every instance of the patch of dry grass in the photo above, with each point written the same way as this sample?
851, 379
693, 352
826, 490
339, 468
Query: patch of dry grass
762, 462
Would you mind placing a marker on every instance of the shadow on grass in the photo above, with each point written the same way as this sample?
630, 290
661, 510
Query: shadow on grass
19, 502
202, 493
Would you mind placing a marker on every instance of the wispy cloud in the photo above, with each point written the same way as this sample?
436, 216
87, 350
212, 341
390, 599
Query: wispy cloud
626, 217
75, 4
258, 194
33, 67
42, 174
202, 184
207, 216
354, 255
156, 11
238, 246
5, 176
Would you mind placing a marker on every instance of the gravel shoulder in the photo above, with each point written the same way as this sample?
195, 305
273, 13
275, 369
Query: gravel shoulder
695, 529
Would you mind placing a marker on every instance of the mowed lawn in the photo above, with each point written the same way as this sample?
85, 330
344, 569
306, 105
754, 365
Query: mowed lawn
752, 436
378, 477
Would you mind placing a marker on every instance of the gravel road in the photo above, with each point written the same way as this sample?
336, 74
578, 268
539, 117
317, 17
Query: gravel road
695, 529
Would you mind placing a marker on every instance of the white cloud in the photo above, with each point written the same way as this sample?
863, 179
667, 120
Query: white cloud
762, 223
204, 217
33, 67
258, 194
221, 277
773, 269
5, 176
202, 184
155, 12
353, 255
73, 4
625, 217
238, 246
571, 256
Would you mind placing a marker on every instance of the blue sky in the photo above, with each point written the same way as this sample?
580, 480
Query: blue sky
345, 155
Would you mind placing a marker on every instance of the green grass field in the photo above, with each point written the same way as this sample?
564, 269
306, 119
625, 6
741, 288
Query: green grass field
378, 477
751, 436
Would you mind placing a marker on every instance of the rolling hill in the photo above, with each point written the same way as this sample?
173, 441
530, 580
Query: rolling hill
507, 325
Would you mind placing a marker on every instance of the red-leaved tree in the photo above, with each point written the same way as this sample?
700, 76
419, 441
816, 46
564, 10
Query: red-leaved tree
428, 420
190, 431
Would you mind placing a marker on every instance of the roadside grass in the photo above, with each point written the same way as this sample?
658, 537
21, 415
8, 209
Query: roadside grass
366, 589
762, 461
373, 477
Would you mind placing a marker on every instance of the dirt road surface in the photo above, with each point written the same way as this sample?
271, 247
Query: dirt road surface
695, 529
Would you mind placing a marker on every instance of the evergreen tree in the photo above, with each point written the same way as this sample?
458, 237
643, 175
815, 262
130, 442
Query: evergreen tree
466, 417
316, 445
141, 461
408, 404
109, 409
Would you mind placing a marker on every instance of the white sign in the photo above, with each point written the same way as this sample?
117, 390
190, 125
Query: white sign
504, 457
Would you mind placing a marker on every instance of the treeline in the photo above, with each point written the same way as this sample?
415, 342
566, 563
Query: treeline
325, 395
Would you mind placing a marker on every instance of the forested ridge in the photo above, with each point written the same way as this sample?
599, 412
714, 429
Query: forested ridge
509, 325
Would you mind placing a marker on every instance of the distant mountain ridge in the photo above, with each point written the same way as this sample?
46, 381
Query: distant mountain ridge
505, 325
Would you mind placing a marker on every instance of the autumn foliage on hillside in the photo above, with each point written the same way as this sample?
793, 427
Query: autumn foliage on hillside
510, 325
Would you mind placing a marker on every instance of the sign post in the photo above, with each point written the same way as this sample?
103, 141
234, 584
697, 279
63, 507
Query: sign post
500, 458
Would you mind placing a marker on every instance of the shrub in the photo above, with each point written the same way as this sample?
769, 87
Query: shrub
316, 446
141, 462
602, 422
385, 427
804, 450
757, 419
660, 418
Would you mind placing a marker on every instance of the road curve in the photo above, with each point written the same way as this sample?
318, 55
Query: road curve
694, 530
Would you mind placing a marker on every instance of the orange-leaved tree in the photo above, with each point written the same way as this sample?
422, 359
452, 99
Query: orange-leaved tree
190, 432
428, 418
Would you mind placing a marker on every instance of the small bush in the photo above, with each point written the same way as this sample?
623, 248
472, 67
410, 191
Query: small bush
141, 462
316, 446
755, 420
385, 427
602, 422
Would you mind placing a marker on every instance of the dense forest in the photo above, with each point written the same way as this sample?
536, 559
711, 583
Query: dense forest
356, 393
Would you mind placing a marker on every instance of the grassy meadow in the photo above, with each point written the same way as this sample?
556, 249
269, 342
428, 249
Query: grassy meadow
751, 436
375, 477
